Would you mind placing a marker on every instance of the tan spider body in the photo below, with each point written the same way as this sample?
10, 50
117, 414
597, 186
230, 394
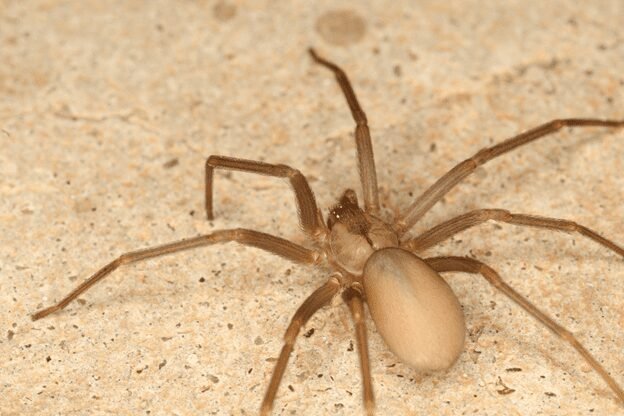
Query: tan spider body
414, 309
373, 261
355, 235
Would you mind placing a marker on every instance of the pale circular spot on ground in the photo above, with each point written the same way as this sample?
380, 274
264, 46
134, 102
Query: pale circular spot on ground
224, 11
341, 27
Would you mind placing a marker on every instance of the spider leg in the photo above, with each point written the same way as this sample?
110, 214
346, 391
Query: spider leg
455, 225
353, 299
319, 298
276, 245
468, 265
309, 215
366, 161
443, 185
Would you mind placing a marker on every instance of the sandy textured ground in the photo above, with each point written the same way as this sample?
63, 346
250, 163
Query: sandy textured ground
109, 109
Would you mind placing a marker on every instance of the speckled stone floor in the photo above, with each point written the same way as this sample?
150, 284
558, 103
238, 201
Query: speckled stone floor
109, 109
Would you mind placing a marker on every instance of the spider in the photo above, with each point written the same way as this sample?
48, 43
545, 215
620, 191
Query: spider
373, 262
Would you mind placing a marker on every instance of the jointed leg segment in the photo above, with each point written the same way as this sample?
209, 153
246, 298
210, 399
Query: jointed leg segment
443, 185
353, 299
309, 214
276, 245
366, 161
319, 298
455, 225
468, 265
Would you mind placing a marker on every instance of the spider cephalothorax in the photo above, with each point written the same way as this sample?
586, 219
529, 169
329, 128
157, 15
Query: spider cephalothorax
348, 212
370, 260
355, 235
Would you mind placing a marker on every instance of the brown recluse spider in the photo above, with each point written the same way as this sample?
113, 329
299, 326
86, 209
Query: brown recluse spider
372, 261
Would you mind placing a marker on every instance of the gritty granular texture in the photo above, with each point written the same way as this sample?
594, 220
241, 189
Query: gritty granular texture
108, 111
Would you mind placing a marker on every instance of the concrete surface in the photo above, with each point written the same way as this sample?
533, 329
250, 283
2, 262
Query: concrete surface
109, 109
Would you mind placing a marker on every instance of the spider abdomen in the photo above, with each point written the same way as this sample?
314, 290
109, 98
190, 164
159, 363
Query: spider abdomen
414, 309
